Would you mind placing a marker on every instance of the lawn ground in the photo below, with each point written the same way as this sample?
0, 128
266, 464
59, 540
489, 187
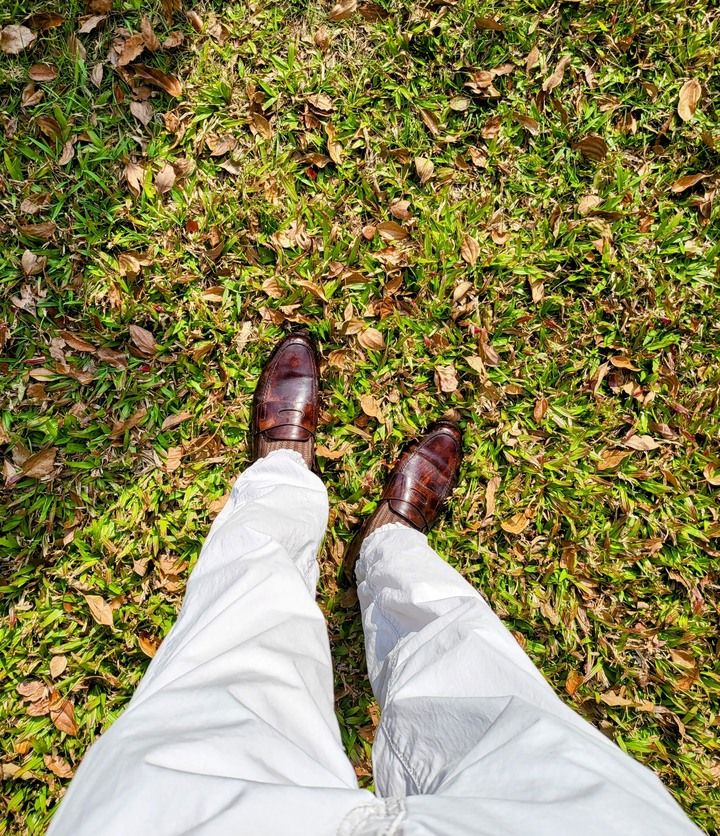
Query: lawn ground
500, 212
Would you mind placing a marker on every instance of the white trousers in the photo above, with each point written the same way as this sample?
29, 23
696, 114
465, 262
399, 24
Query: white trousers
233, 728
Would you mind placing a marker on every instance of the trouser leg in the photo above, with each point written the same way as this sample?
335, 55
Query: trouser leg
466, 715
233, 729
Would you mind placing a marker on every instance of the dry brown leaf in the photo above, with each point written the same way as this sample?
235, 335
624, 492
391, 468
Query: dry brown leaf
58, 766
89, 23
446, 378
371, 407
49, 126
173, 459
476, 363
195, 21
44, 20
537, 289
131, 48
63, 717
553, 81
588, 203
260, 125
173, 40
611, 458
115, 358
461, 290
96, 75
430, 120
711, 476
573, 682
77, 342
44, 231
143, 339
490, 491
392, 231
34, 204
469, 250
532, 59
515, 524
67, 153
400, 209
165, 179
592, 147
621, 362
142, 111
531, 125
148, 644
148, 34
41, 464
100, 610
489, 23
164, 81
540, 409
15, 39
459, 103
327, 453
175, 420
489, 355
43, 72
334, 147
688, 100
120, 427
32, 264
31, 689
425, 169
641, 442
686, 182
57, 665
343, 10
134, 175
372, 339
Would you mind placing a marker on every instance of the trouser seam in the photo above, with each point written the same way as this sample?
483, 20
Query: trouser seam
403, 761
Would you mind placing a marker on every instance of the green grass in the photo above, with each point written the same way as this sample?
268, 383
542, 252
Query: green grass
612, 586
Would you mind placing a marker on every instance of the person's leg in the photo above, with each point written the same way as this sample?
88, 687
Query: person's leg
469, 728
232, 729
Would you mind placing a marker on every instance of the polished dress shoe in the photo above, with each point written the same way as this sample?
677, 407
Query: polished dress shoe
285, 407
422, 480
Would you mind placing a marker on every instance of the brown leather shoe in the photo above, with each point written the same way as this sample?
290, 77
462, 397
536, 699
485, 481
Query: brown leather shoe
285, 407
423, 478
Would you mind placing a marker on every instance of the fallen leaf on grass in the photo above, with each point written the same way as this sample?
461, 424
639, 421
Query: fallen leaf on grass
515, 524
31, 689
49, 126
343, 10
90, 23
120, 427
58, 766
43, 72
148, 644
621, 362
490, 491
430, 120
400, 209
164, 81
469, 250
134, 176
41, 464
712, 477
45, 20
260, 125
552, 81
175, 420
592, 147
100, 610
63, 717
371, 407
425, 169
573, 682
195, 21
115, 358
392, 231
688, 100
15, 39
143, 339
142, 111
334, 147
540, 409
44, 231
588, 203
32, 264
686, 182
165, 179
532, 126
611, 458
446, 378
489, 23
57, 665
641, 442
173, 459
372, 339
148, 34
131, 49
